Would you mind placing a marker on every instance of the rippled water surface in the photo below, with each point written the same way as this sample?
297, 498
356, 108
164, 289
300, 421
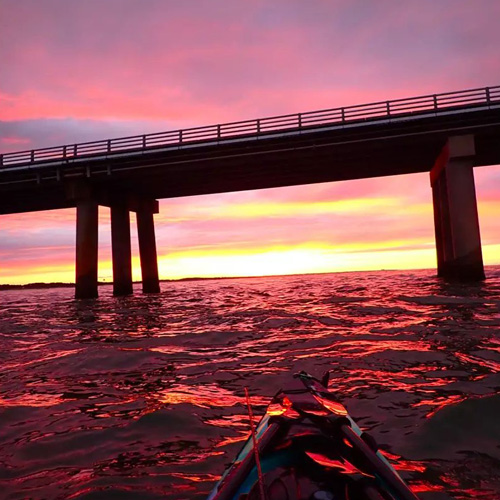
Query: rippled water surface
143, 397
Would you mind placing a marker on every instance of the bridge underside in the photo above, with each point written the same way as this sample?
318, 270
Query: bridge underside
132, 181
323, 156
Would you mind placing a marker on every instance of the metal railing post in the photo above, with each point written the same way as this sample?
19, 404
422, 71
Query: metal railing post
461, 99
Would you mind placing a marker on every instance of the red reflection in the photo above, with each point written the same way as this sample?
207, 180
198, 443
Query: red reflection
228, 421
283, 408
403, 465
193, 349
347, 443
275, 410
333, 406
205, 396
490, 364
196, 478
440, 402
342, 467
422, 486
408, 465
390, 456
320, 413
232, 440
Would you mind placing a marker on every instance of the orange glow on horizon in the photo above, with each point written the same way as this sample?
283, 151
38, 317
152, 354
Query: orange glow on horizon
257, 262
347, 226
277, 209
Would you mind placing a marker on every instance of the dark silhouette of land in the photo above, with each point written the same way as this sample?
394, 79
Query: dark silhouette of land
33, 286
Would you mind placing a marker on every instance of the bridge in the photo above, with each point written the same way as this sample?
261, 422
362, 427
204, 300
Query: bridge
444, 134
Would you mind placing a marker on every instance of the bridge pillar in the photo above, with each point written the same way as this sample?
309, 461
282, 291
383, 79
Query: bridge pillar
86, 249
147, 250
121, 249
458, 241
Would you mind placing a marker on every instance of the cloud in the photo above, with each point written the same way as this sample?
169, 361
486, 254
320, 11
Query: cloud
45, 132
228, 60
83, 71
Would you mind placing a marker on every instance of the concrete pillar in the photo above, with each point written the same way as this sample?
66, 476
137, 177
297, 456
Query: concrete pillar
438, 226
444, 240
147, 251
458, 241
121, 250
86, 249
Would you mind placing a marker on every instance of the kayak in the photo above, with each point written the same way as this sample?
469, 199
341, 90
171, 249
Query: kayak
307, 447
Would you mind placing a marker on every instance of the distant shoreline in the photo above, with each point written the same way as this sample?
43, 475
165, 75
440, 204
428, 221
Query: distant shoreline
34, 286
39, 285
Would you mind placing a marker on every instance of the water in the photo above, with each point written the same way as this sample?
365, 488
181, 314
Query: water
143, 397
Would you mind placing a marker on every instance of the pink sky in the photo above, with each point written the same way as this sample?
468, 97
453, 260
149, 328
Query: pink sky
78, 71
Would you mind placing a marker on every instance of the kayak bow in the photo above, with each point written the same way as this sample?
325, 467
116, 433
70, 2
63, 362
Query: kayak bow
309, 447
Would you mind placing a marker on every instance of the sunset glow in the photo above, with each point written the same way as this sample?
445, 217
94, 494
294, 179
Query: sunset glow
229, 61
250, 234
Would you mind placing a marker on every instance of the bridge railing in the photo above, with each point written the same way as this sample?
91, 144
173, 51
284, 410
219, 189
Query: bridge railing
300, 121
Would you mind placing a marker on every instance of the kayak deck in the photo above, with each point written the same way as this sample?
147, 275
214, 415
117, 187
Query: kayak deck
308, 447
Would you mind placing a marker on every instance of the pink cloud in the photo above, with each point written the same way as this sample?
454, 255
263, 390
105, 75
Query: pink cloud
222, 62
88, 70
14, 141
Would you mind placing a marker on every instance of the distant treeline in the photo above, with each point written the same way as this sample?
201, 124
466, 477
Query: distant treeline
37, 285
29, 286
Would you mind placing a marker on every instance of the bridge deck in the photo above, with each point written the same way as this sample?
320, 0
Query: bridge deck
385, 138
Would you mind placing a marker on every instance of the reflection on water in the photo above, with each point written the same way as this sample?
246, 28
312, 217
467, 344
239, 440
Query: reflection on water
143, 397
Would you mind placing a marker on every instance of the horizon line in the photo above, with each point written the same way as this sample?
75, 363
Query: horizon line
56, 284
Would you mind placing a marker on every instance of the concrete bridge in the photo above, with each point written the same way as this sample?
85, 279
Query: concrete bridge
444, 134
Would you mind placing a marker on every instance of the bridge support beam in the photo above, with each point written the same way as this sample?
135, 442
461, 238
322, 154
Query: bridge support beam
147, 251
458, 241
121, 250
86, 249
